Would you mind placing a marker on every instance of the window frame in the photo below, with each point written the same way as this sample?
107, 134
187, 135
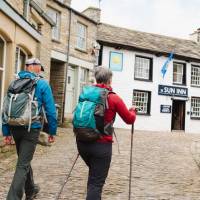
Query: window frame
184, 81
57, 28
79, 37
3, 71
86, 77
149, 93
18, 68
191, 112
150, 76
192, 84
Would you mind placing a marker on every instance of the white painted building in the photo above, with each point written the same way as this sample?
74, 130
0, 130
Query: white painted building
164, 104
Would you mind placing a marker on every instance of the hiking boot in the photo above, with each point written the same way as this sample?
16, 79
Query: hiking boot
34, 193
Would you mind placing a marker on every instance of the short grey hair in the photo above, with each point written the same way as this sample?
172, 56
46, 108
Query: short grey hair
102, 74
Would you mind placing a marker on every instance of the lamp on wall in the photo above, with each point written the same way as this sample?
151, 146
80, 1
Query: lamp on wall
95, 48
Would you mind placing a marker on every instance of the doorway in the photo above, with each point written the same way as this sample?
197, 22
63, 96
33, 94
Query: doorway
71, 90
178, 115
2, 68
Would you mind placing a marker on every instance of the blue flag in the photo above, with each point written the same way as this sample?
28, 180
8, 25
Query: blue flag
164, 67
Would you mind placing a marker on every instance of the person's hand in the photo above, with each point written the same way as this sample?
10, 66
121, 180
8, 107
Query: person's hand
8, 140
51, 139
133, 108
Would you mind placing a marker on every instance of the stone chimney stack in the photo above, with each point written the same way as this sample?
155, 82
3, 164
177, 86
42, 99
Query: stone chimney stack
93, 13
68, 2
195, 36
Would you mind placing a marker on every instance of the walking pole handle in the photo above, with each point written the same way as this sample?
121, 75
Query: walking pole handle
132, 128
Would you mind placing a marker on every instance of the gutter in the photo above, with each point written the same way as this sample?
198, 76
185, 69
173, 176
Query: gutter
42, 13
67, 63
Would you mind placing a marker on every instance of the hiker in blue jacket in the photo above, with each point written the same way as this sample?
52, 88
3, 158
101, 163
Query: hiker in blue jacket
25, 140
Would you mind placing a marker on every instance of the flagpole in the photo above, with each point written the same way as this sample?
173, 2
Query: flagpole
99, 4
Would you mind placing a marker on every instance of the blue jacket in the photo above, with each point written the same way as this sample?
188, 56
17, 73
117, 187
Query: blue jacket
44, 96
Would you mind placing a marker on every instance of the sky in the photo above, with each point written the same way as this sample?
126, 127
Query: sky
176, 18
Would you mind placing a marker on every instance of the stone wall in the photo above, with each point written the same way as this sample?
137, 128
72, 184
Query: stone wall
18, 5
91, 38
57, 80
61, 44
45, 49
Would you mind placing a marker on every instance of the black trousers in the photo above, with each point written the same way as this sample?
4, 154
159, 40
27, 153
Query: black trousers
23, 178
97, 157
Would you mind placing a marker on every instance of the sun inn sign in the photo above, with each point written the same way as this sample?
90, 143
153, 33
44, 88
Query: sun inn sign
172, 91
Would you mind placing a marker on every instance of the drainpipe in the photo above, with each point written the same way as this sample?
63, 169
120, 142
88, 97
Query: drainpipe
67, 63
26, 9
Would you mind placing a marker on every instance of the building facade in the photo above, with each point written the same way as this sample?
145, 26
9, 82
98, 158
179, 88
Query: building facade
19, 40
62, 38
72, 57
164, 102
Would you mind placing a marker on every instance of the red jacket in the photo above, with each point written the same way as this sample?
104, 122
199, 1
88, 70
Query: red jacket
116, 105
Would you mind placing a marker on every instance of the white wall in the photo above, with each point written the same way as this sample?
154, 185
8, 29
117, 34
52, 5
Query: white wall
124, 84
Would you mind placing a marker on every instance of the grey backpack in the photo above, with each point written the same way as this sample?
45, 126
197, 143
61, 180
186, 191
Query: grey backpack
20, 107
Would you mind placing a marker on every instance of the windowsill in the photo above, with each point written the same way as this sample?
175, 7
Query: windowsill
56, 41
81, 50
196, 86
195, 118
141, 79
144, 114
179, 84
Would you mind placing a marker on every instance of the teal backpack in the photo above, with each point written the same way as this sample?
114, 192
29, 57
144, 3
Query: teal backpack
88, 120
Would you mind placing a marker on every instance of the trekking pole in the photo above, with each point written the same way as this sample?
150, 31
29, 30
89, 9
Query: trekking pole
131, 160
67, 177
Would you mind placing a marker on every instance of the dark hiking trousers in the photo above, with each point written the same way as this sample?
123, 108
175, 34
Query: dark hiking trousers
97, 156
23, 178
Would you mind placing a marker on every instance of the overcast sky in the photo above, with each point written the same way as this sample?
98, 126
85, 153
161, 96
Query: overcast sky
177, 18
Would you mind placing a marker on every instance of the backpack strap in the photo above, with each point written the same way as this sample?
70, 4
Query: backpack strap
108, 93
31, 96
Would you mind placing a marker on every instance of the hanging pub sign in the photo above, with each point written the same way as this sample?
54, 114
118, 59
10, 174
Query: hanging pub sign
165, 108
172, 91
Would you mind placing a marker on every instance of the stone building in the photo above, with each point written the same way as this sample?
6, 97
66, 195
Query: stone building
24, 33
72, 55
61, 37
136, 58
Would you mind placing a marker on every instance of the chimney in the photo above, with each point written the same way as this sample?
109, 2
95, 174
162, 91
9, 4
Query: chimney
93, 13
67, 2
195, 36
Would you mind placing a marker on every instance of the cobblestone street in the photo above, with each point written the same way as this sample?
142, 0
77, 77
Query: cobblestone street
163, 168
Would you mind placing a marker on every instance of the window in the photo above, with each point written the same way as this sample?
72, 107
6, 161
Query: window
195, 75
195, 107
179, 73
83, 78
81, 36
142, 101
20, 60
55, 16
143, 68
2, 68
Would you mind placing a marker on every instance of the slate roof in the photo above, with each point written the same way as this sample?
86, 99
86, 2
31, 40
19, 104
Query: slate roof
147, 42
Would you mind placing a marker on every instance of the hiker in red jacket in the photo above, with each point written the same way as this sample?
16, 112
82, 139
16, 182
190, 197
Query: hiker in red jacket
97, 155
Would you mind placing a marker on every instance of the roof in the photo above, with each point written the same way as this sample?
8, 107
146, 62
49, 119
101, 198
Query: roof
76, 12
147, 42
